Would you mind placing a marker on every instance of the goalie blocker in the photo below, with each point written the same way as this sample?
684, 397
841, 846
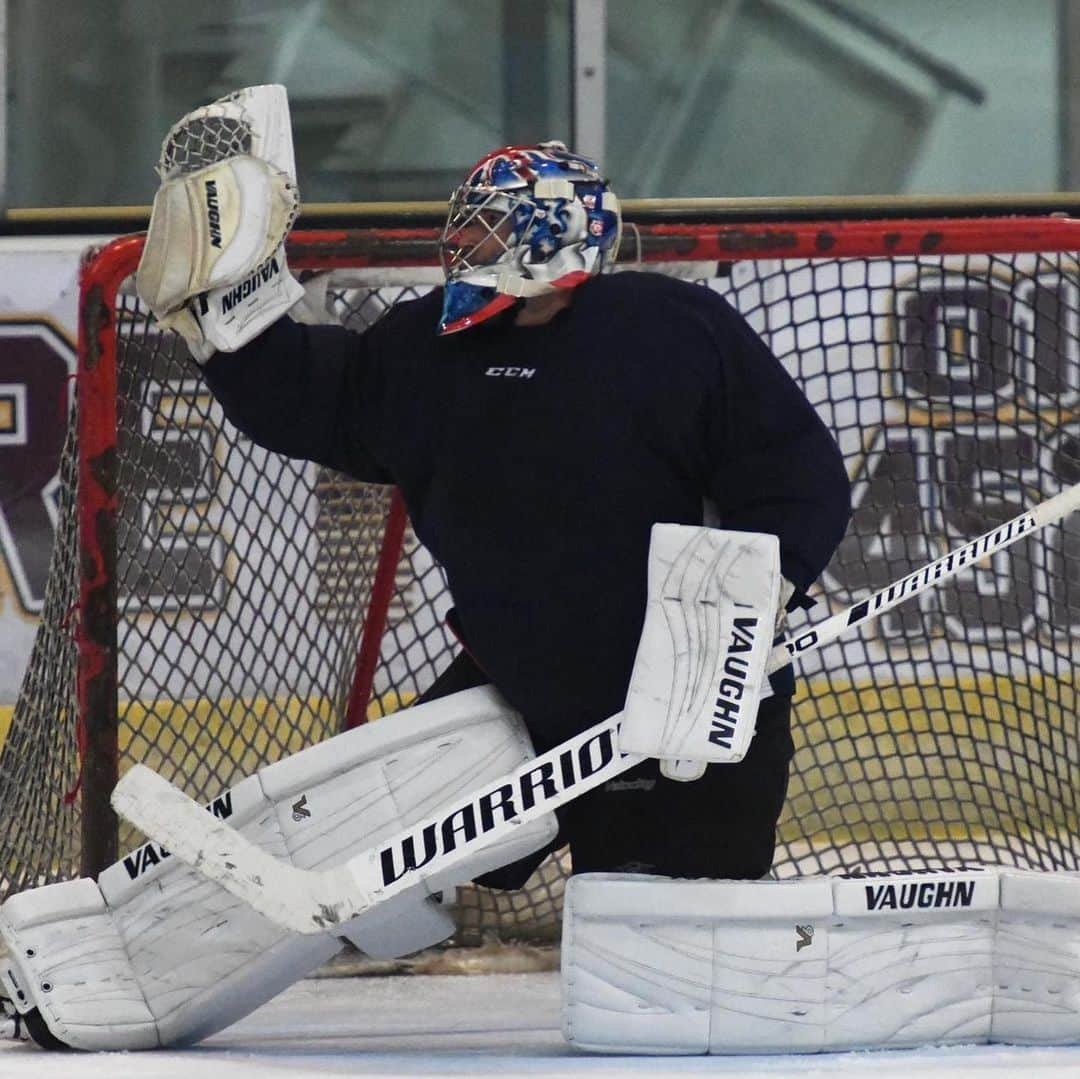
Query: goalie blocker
821, 964
699, 672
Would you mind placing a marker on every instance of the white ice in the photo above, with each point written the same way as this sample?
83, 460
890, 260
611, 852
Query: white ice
504, 1025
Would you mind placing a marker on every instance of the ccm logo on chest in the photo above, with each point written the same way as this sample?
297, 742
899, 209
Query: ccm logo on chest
510, 372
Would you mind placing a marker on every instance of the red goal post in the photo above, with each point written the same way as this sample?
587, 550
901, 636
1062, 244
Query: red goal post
944, 353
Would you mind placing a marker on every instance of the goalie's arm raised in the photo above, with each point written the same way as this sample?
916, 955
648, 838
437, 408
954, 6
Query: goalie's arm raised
308, 392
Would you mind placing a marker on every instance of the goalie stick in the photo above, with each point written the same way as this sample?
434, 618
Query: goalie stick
314, 901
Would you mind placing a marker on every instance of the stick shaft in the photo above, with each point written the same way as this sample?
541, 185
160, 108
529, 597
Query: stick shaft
929, 576
314, 901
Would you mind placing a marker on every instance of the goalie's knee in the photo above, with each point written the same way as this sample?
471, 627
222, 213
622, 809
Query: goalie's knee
653, 965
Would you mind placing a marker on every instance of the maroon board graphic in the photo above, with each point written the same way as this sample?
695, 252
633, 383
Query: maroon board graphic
35, 361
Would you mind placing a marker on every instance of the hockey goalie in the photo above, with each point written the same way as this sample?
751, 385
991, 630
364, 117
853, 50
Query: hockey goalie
625, 489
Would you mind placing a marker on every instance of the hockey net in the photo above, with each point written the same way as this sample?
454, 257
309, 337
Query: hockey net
212, 607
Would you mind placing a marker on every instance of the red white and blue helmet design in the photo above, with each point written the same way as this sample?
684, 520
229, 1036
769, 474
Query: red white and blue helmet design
527, 220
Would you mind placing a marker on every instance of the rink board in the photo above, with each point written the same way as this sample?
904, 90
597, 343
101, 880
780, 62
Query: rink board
903, 754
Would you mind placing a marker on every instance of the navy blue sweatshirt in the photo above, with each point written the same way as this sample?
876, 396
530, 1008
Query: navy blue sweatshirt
534, 460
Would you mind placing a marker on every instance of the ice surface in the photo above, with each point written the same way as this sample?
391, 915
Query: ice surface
504, 1025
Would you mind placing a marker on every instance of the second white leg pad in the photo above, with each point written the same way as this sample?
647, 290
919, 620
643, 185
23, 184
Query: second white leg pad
652, 965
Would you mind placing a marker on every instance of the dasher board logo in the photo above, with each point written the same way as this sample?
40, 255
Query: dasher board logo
36, 361
981, 420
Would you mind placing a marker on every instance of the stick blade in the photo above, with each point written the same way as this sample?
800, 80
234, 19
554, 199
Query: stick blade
275, 889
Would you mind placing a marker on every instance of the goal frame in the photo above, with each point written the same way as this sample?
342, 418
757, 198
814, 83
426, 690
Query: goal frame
104, 270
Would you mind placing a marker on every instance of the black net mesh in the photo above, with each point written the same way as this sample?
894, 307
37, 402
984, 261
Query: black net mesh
39, 762
944, 732
257, 570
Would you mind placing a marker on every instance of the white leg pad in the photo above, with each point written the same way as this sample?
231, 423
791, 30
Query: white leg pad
652, 965
911, 960
196, 957
155, 954
54, 936
1037, 961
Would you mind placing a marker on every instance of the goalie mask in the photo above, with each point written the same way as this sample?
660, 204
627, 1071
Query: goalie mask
527, 220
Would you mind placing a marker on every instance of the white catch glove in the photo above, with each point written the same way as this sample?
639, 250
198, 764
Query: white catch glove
213, 227
213, 267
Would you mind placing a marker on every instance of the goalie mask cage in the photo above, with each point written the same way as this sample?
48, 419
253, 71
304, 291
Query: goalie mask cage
212, 607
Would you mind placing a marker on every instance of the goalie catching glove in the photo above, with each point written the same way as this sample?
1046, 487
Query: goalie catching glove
213, 266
